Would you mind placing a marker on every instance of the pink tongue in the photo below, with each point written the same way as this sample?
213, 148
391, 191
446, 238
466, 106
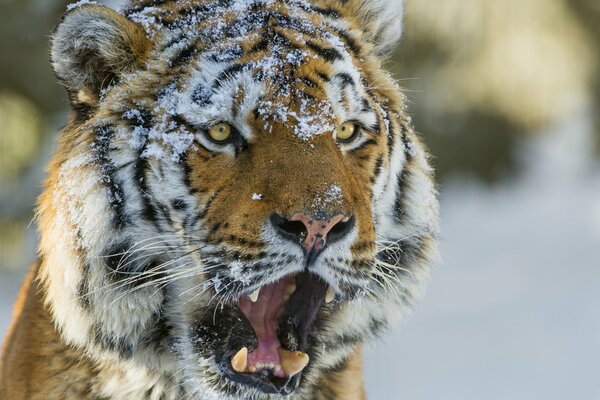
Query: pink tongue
263, 316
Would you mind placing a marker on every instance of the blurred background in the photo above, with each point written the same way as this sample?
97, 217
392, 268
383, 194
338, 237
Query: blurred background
507, 96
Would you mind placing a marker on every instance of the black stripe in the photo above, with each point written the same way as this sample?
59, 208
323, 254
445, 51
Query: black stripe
144, 121
346, 79
159, 334
366, 106
407, 147
393, 132
102, 147
325, 11
227, 74
352, 44
187, 171
184, 55
202, 214
262, 44
179, 205
227, 55
308, 82
144, 5
399, 204
119, 345
329, 54
149, 212
83, 290
366, 143
202, 96
324, 76
346, 340
378, 166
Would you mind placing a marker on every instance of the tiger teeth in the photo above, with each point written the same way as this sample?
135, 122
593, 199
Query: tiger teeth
275, 367
239, 362
330, 295
254, 296
289, 290
292, 362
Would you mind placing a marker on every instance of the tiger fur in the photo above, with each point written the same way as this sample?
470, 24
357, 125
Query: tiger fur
153, 234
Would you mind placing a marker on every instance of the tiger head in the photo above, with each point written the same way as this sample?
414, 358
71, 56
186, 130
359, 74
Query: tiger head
238, 201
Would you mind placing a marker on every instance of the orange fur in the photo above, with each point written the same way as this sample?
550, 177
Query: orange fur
36, 364
46, 355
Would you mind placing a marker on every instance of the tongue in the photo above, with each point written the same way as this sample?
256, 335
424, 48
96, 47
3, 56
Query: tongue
263, 315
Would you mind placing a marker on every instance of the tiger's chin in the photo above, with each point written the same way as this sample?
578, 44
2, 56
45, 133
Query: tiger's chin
272, 334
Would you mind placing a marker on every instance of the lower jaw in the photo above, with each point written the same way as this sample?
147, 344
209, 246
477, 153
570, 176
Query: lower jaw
294, 323
264, 383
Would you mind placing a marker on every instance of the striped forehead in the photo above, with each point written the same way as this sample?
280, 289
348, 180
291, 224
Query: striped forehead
228, 84
240, 59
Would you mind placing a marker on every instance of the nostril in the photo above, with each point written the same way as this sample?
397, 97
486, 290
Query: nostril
340, 229
293, 229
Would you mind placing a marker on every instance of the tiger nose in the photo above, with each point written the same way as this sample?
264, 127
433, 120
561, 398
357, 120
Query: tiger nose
312, 234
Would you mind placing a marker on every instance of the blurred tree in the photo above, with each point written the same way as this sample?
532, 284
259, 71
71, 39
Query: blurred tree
25, 27
491, 71
588, 11
29, 95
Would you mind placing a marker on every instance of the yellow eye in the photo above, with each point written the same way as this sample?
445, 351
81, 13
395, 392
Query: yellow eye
346, 131
220, 132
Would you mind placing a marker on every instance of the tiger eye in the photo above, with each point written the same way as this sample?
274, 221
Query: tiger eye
220, 132
346, 131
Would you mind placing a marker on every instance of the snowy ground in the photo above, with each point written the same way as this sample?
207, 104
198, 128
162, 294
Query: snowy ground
511, 314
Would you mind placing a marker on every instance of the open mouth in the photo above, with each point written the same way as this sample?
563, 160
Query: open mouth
281, 315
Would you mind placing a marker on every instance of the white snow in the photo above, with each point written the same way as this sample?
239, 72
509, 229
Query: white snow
307, 119
80, 3
330, 196
513, 311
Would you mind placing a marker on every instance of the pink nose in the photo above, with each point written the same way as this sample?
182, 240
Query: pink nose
317, 230
312, 234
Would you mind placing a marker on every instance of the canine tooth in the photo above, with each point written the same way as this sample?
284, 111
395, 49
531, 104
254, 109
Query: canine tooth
330, 295
239, 362
254, 295
290, 288
292, 362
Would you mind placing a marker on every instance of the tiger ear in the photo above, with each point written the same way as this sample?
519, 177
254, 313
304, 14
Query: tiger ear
94, 46
380, 21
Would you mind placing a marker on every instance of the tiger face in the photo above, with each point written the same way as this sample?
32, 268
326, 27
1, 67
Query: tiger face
239, 197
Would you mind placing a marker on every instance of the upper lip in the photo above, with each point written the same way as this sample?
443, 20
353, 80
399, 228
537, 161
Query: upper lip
294, 322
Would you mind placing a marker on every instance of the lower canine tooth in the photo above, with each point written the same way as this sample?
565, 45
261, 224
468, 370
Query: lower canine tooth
330, 295
292, 362
254, 295
239, 362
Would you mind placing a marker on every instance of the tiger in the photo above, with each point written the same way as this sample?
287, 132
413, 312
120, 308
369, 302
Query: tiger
237, 205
